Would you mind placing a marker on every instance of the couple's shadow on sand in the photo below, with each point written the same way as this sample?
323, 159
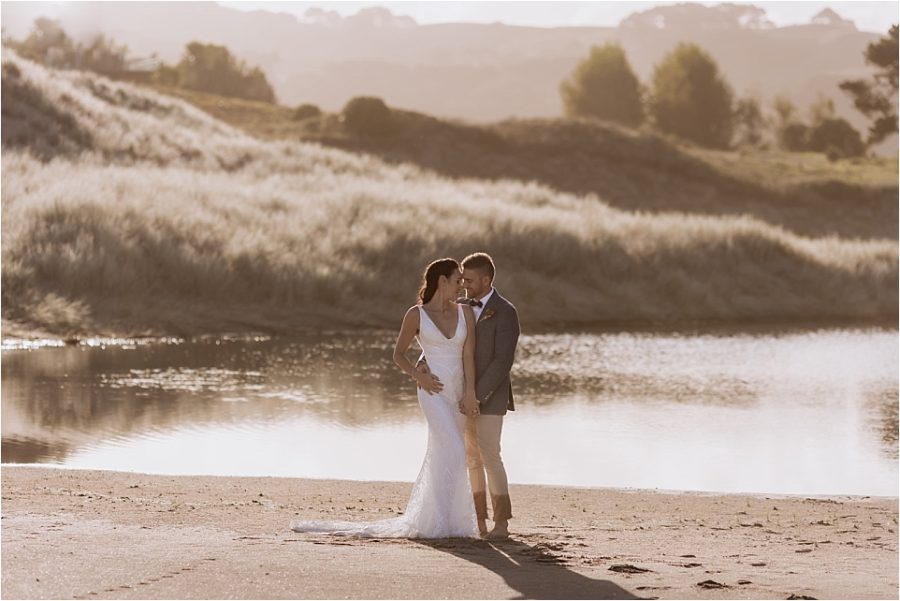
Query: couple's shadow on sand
530, 570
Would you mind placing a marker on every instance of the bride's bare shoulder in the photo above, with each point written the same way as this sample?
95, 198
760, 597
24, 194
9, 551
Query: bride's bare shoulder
469, 313
412, 313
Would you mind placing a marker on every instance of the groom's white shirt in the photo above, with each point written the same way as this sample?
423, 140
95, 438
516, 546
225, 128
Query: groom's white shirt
477, 310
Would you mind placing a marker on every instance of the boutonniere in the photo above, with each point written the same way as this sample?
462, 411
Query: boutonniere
488, 313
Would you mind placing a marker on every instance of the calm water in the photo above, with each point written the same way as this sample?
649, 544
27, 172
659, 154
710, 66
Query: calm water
812, 412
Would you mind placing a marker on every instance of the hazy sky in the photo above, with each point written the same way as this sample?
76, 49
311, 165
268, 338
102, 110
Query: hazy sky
870, 16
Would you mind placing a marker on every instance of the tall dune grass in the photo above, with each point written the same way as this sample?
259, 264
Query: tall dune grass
129, 249
169, 222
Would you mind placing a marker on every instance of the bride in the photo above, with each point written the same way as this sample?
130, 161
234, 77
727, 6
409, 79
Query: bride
440, 504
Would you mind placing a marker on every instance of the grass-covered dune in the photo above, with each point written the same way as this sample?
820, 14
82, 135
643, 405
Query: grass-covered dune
126, 212
636, 171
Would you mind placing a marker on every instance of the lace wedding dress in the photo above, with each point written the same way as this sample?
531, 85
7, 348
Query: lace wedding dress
440, 504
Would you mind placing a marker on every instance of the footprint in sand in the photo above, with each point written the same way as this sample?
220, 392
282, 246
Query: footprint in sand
627, 568
652, 588
711, 584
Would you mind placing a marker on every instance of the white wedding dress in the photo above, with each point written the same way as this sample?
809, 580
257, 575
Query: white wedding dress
441, 503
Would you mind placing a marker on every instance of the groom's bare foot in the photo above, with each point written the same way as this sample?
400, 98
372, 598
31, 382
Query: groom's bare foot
482, 528
500, 531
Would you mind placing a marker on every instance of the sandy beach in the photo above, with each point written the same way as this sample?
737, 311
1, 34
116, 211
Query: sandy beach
94, 535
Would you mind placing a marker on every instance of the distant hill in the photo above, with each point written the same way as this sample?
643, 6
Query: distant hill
479, 72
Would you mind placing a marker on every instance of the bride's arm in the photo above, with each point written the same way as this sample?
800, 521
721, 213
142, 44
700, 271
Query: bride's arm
407, 332
469, 402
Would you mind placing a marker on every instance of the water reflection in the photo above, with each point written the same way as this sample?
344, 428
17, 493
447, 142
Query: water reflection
881, 407
783, 412
57, 398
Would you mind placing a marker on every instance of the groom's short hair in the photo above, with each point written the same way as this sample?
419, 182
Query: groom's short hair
481, 261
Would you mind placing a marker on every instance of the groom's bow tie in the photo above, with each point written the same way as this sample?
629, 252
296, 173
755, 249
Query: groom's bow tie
471, 302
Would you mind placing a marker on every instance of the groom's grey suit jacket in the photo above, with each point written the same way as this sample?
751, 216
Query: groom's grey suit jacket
496, 336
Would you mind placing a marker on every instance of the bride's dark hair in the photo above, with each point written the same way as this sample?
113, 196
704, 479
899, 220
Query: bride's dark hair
435, 269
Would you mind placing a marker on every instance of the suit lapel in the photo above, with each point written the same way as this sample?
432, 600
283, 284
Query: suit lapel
490, 306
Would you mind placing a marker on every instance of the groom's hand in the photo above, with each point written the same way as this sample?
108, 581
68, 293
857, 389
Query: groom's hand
432, 384
469, 406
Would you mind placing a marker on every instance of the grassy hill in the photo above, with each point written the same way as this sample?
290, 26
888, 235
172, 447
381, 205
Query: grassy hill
130, 212
803, 192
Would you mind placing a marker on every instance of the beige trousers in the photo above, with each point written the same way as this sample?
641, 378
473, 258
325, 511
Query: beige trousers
483, 455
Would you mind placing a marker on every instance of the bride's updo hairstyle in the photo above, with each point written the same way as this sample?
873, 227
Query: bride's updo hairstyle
435, 269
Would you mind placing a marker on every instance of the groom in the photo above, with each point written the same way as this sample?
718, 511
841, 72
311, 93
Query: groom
496, 335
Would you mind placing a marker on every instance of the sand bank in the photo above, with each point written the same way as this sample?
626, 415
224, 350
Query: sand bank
94, 535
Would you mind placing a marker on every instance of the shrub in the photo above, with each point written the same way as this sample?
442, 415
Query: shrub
368, 116
306, 111
794, 137
166, 75
839, 136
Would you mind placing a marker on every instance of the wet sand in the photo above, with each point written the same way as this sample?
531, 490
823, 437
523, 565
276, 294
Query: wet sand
95, 535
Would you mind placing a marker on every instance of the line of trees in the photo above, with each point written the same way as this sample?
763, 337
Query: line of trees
50, 45
688, 97
203, 67
823, 131
212, 68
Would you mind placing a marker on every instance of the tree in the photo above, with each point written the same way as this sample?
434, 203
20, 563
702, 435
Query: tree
749, 122
785, 111
794, 137
688, 17
877, 99
213, 69
821, 110
102, 55
48, 44
256, 86
368, 116
791, 133
604, 86
688, 98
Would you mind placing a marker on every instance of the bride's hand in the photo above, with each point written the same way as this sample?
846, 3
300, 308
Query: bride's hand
469, 406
